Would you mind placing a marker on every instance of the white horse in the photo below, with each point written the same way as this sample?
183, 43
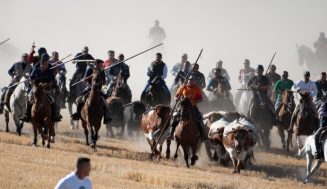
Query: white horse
243, 105
17, 103
309, 150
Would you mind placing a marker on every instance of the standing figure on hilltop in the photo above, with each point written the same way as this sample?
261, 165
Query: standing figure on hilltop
157, 34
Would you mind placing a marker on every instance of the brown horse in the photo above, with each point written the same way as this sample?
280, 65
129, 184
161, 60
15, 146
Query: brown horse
285, 112
219, 99
116, 110
304, 124
93, 111
41, 113
122, 90
187, 132
153, 124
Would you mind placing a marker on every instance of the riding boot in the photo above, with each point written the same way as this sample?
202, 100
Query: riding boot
106, 117
55, 117
318, 153
77, 114
293, 119
172, 129
27, 116
203, 136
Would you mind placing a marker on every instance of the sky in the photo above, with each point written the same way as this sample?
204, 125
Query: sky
228, 30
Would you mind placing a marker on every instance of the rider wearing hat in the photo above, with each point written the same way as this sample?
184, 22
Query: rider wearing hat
224, 72
189, 90
304, 86
218, 78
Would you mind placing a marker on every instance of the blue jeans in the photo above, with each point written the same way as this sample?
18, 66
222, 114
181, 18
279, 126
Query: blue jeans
323, 122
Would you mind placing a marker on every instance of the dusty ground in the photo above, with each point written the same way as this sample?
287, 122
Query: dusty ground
121, 163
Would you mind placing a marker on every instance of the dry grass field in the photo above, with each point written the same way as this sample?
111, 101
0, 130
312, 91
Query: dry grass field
121, 163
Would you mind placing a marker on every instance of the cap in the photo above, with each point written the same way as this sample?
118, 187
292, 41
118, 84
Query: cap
306, 73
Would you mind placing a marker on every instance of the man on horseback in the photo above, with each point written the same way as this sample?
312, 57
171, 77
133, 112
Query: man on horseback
321, 47
157, 69
322, 129
35, 60
245, 75
108, 63
219, 78
80, 71
199, 78
114, 71
182, 74
16, 72
224, 72
280, 86
304, 86
260, 84
186, 91
83, 96
180, 65
321, 85
273, 78
43, 74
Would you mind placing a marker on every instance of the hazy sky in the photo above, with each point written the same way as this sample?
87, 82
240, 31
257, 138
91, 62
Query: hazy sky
226, 29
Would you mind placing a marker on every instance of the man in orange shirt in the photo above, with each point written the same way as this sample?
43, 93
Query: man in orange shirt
189, 90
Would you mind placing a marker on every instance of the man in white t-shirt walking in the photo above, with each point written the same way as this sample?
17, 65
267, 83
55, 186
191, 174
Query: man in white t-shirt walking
77, 179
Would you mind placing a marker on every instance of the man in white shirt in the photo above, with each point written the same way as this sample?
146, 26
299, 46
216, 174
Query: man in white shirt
77, 179
304, 86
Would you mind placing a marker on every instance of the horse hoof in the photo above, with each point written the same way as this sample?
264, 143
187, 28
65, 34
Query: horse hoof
175, 156
52, 139
7, 130
167, 155
235, 171
48, 146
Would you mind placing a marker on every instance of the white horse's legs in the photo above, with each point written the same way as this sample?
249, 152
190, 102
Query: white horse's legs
310, 171
299, 143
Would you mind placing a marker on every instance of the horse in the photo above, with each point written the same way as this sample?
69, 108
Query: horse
187, 132
304, 124
122, 90
308, 57
116, 110
17, 104
219, 99
62, 93
153, 124
132, 116
155, 94
74, 92
41, 113
239, 139
262, 117
284, 116
309, 150
92, 111
244, 101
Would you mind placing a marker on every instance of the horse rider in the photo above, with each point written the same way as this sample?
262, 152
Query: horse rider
108, 63
323, 128
83, 96
157, 69
180, 77
198, 76
304, 86
179, 66
35, 60
114, 71
321, 47
245, 75
273, 78
321, 85
261, 84
157, 34
224, 72
80, 70
190, 90
54, 61
43, 74
16, 72
282, 85
219, 78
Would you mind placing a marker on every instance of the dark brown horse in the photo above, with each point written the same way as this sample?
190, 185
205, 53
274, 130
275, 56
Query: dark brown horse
122, 90
153, 124
187, 132
219, 99
41, 114
116, 110
285, 112
304, 124
92, 111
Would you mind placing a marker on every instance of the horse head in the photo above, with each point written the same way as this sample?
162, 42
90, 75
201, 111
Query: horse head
185, 106
39, 94
138, 108
288, 99
96, 80
305, 104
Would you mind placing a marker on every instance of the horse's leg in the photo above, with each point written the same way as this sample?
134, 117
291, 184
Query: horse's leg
35, 134
315, 167
266, 142
299, 143
260, 139
91, 135
70, 110
86, 132
289, 140
109, 130
234, 161
282, 136
208, 150
309, 164
21, 125
176, 152
239, 165
7, 120
194, 156
168, 142
50, 133
186, 152
122, 127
